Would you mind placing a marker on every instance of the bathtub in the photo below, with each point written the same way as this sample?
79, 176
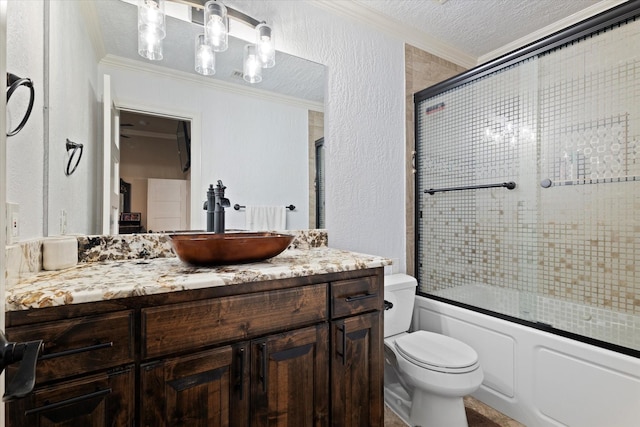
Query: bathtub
536, 377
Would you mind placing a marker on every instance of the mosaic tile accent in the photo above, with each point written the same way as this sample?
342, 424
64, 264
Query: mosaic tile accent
565, 126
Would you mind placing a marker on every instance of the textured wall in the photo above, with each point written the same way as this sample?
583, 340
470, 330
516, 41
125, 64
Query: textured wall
25, 150
364, 118
74, 113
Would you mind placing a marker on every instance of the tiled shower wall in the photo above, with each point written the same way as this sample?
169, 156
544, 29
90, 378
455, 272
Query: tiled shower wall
565, 126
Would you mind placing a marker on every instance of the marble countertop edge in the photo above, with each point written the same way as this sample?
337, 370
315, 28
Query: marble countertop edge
108, 280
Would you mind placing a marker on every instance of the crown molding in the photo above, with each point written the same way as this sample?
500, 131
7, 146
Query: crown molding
133, 65
397, 29
550, 29
92, 24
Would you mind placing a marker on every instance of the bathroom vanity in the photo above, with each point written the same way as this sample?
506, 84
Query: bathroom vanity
294, 341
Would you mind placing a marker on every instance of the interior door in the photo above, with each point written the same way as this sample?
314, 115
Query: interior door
110, 161
166, 204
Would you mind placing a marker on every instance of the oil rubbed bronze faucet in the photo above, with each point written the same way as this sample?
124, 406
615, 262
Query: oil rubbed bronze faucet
215, 204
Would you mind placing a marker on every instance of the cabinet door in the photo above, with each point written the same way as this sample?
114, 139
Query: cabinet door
200, 390
102, 400
290, 379
357, 371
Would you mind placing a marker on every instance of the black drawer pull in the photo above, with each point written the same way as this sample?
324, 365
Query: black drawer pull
71, 401
360, 297
76, 351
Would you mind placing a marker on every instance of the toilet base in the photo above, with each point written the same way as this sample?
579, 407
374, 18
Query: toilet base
432, 410
425, 409
398, 400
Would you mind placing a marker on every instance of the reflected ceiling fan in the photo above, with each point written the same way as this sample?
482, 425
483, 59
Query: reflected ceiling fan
125, 125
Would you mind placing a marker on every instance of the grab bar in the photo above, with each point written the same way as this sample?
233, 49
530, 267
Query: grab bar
508, 185
238, 207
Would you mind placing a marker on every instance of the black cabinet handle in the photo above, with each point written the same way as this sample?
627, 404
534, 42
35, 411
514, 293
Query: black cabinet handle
77, 350
263, 366
360, 297
71, 401
240, 377
342, 330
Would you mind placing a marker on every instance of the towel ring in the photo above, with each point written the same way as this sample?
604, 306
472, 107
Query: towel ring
13, 83
75, 147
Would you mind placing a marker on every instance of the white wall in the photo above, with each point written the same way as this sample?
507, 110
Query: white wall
72, 73
74, 113
364, 119
25, 150
258, 148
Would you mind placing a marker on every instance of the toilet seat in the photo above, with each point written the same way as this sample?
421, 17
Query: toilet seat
437, 352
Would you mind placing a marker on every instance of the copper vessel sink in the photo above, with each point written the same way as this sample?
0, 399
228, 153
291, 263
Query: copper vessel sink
228, 248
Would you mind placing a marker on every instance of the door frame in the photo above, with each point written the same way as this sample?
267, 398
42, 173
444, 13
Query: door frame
196, 219
3, 174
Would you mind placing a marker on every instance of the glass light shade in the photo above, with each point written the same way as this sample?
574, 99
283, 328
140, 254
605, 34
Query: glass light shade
151, 17
265, 45
205, 62
252, 69
150, 45
216, 25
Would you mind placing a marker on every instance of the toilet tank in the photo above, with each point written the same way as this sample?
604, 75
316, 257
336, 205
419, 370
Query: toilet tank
400, 290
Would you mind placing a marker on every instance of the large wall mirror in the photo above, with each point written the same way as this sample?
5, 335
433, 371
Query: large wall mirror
258, 139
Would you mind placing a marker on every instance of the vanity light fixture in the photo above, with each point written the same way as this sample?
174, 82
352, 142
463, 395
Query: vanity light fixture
252, 69
216, 25
205, 57
215, 37
151, 28
265, 45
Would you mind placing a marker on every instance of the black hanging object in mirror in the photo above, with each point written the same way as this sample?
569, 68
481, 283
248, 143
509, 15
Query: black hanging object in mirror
13, 83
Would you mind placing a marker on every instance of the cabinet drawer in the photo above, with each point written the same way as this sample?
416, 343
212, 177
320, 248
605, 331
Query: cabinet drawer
80, 345
103, 399
355, 296
193, 325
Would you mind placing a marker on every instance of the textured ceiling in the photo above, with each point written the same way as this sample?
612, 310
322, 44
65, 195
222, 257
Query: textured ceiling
473, 27
291, 76
477, 27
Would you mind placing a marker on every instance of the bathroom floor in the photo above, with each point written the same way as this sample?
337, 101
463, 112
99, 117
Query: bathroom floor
478, 415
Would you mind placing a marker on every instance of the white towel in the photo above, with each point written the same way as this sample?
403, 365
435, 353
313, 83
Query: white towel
266, 218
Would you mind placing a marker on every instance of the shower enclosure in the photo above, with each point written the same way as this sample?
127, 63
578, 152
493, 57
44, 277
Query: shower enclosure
528, 184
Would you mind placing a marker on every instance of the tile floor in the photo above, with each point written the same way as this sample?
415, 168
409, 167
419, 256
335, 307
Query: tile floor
392, 420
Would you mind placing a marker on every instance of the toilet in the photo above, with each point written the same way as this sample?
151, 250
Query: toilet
426, 375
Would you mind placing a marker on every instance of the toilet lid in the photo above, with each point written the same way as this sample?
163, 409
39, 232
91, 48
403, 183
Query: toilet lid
437, 352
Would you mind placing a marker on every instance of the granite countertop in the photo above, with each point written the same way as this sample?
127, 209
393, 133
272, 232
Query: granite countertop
106, 280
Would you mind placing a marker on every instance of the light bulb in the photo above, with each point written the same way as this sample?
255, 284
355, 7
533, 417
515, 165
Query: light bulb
150, 45
205, 61
216, 25
252, 69
151, 17
265, 45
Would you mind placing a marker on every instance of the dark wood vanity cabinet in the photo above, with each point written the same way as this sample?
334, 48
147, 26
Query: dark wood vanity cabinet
356, 361
291, 353
278, 380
